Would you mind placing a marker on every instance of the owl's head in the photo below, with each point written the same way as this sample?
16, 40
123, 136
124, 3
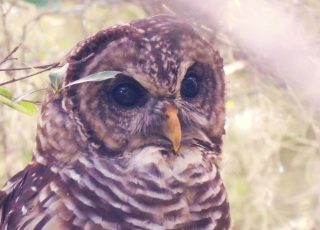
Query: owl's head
170, 93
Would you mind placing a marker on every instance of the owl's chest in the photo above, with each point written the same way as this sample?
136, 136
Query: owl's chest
150, 197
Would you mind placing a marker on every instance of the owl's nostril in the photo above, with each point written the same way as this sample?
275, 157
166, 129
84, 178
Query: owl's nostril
167, 103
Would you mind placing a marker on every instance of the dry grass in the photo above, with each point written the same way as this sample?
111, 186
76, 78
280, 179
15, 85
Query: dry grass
272, 145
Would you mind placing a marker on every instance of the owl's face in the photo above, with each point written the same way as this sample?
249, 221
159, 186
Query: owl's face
170, 93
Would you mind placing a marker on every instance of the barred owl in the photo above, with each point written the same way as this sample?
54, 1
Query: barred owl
138, 151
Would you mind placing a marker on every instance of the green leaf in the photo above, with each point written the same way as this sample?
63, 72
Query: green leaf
29, 108
4, 92
43, 3
25, 107
56, 77
100, 76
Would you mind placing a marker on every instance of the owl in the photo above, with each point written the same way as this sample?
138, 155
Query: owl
137, 151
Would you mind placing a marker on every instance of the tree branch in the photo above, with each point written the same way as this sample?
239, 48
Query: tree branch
30, 75
10, 54
28, 68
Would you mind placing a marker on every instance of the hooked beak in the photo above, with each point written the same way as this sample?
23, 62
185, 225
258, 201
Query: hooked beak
172, 128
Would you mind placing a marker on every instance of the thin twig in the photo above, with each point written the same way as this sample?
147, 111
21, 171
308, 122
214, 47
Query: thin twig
30, 75
10, 54
12, 59
28, 68
23, 96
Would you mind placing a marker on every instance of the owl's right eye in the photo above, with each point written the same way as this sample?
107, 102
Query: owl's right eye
190, 85
128, 94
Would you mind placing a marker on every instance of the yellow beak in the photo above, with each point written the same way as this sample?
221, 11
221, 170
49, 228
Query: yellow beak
172, 128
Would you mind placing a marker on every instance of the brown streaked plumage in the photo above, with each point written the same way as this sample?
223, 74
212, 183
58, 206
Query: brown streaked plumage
139, 151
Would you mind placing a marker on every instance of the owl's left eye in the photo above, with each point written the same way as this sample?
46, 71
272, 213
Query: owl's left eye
128, 94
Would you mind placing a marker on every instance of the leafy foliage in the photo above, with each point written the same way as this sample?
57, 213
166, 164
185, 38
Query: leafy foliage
23, 106
42, 3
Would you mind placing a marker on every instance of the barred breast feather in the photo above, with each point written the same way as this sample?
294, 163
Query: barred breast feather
150, 191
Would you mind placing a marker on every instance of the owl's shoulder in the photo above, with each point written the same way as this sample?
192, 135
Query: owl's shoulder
20, 190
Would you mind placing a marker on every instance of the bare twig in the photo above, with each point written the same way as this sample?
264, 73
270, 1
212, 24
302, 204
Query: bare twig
23, 96
30, 75
12, 58
28, 68
8, 57
6, 8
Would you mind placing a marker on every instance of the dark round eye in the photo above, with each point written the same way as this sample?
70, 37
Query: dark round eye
127, 94
190, 85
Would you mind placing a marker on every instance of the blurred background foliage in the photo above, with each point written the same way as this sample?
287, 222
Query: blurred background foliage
272, 145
